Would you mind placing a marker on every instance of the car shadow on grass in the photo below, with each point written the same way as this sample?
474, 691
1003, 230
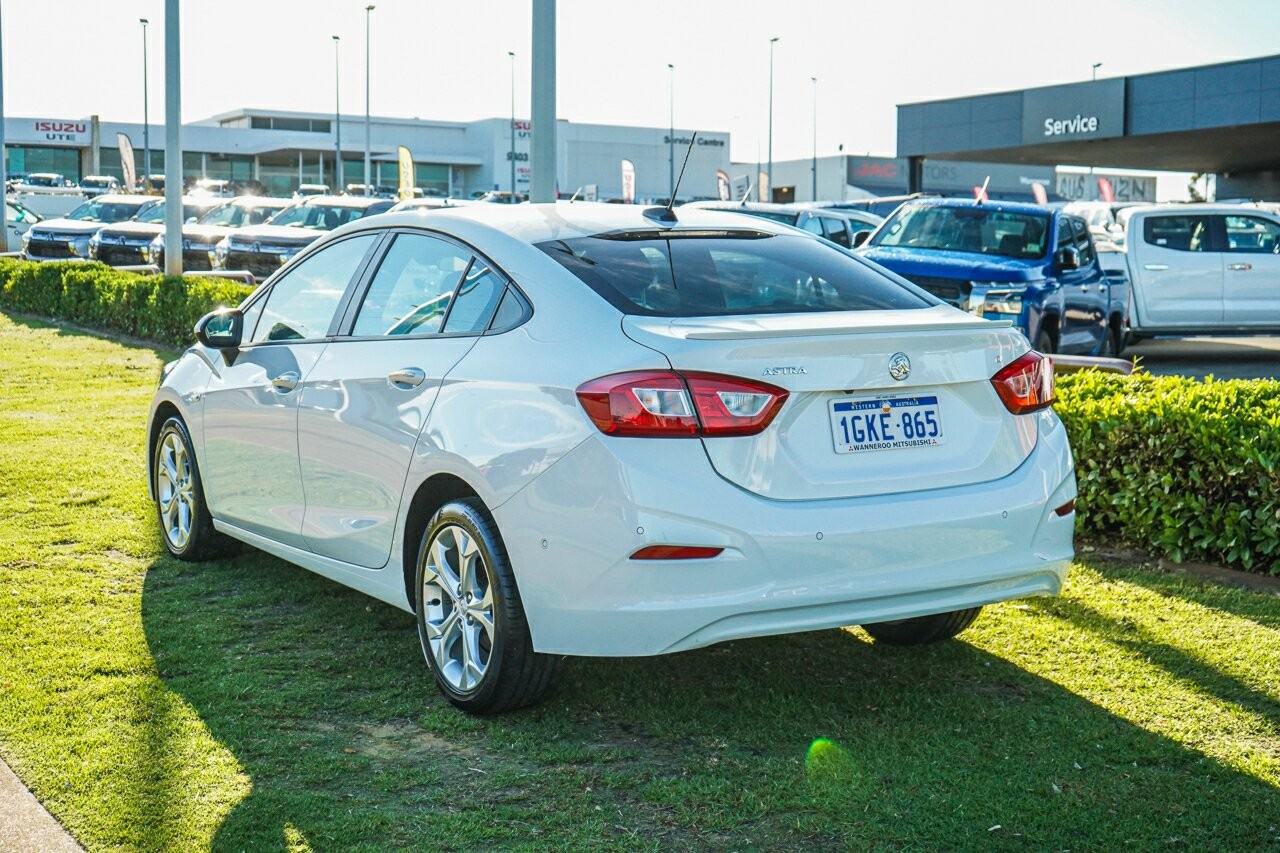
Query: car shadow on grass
815, 741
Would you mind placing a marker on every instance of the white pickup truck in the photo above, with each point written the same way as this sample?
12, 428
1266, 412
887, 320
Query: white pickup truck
1203, 269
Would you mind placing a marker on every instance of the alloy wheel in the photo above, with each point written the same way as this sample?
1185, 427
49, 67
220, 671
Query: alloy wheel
175, 491
458, 608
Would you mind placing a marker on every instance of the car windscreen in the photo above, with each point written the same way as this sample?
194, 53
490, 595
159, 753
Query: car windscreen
101, 211
977, 229
322, 217
718, 273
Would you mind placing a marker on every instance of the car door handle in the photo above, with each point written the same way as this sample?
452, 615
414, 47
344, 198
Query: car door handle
285, 382
1239, 266
1155, 267
407, 377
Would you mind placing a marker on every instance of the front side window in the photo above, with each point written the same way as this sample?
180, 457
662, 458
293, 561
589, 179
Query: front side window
1084, 245
413, 288
302, 303
725, 272
1182, 233
973, 228
1252, 234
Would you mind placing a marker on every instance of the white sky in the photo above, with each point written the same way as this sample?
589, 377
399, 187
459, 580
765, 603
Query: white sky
448, 60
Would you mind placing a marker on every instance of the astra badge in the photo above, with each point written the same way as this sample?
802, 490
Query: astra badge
784, 371
899, 366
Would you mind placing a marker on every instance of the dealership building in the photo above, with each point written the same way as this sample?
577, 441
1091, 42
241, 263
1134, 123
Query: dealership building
1222, 119
284, 149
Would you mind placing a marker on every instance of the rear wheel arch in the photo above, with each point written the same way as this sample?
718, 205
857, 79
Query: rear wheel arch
431, 494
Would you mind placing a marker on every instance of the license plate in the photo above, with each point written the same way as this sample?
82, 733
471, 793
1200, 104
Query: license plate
885, 423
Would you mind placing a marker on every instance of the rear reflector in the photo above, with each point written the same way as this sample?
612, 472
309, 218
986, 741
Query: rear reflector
675, 552
671, 404
1067, 508
1026, 384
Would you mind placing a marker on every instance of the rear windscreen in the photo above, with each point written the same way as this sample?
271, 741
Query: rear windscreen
700, 276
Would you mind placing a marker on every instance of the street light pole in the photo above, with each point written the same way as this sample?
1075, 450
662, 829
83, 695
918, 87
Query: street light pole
1096, 65
146, 115
367, 145
772, 42
4, 172
671, 138
814, 80
512, 153
337, 120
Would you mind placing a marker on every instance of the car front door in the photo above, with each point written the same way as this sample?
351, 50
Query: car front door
1084, 295
365, 403
1177, 276
1251, 273
250, 416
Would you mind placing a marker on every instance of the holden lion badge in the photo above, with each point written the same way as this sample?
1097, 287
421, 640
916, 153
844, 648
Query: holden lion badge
899, 366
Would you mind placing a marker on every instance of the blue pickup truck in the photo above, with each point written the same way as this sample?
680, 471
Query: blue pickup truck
1008, 261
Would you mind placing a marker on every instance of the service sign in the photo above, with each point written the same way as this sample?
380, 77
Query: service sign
1093, 110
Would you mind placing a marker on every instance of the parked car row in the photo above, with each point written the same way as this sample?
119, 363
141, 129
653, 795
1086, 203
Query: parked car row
1083, 278
250, 233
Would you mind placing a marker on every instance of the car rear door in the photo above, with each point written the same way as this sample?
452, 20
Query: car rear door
1251, 274
250, 406
363, 406
1177, 277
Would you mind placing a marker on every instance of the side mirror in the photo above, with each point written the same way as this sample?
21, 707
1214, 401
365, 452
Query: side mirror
1068, 258
221, 329
190, 219
860, 238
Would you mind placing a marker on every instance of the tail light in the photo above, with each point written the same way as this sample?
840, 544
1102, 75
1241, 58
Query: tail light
1026, 385
671, 404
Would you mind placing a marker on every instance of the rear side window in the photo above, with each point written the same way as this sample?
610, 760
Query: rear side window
411, 292
1182, 233
724, 273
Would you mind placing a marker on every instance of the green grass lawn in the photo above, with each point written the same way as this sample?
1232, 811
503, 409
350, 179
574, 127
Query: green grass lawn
247, 704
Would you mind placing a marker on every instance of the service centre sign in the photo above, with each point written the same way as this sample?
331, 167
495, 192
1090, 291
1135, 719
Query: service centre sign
1093, 110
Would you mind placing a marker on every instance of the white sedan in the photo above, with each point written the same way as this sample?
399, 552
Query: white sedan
580, 429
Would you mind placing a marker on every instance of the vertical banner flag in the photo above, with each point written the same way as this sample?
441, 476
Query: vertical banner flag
762, 187
628, 182
126, 161
1106, 192
1038, 193
722, 183
406, 173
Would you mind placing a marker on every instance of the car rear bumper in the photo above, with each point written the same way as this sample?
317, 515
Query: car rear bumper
787, 566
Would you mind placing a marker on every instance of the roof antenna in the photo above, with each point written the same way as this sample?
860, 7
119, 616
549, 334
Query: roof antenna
574, 197
982, 193
747, 194
666, 214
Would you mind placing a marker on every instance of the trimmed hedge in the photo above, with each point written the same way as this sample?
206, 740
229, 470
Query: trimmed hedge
156, 308
1184, 467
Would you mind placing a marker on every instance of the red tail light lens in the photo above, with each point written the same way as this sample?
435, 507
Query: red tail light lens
668, 404
1026, 385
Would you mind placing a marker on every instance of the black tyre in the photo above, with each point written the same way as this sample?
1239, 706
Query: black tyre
1044, 342
471, 622
922, 629
1110, 347
185, 524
